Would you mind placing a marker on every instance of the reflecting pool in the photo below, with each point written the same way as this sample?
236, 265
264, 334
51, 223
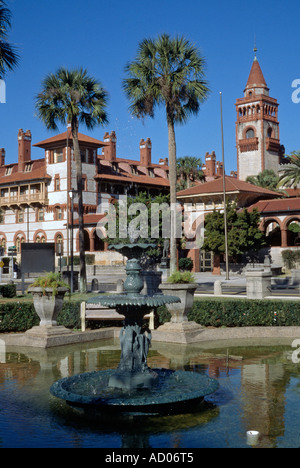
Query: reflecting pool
259, 390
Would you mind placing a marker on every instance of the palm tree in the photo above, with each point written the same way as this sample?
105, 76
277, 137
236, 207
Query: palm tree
189, 170
168, 72
290, 176
73, 97
266, 179
8, 55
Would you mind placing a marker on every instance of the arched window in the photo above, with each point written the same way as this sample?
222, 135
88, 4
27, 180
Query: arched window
59, 246
19, 242
270, 132
250, 133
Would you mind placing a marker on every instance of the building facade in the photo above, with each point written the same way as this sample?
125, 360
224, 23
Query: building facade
36, 195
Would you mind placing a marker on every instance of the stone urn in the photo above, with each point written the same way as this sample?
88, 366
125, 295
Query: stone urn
185, 292
48, 304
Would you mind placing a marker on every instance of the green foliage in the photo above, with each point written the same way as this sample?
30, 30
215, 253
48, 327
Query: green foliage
290, 258
21, 316
290, 173
189, 169
185, 264
245, 313
9, 57
266, 179
140, 220
243, 232
181, 277
8, 290
294, 227
50, 280
17, 317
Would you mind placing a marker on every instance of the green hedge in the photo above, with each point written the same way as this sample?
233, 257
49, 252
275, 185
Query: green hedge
20, 316
210, 312
245, 313
8, 290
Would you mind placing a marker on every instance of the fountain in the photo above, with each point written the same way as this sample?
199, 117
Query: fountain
134, 387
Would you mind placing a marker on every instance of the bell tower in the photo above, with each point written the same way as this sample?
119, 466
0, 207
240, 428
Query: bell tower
257, 127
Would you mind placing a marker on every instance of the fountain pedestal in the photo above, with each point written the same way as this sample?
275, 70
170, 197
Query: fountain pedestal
133, 387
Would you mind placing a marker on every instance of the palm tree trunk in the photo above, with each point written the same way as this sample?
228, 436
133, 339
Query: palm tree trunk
172, 180
78, 164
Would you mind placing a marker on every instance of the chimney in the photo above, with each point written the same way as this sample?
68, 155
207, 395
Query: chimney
2, 157
24, 148
145, 152
210, 164
110, 148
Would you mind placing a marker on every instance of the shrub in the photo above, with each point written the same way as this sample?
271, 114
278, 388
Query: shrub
181, 277
186, 264
50, 280
17, 317
21, 316
290, 258
245, 313
8, 290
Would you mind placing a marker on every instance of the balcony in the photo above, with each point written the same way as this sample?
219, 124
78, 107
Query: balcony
272, 144
248, 144
29, 196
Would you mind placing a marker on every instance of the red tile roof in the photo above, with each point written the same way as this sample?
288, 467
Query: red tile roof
277, 206
232, 185
256, 77
142, 179
37, 172
68, 135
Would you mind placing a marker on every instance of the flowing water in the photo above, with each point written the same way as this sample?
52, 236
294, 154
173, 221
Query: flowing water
259, 390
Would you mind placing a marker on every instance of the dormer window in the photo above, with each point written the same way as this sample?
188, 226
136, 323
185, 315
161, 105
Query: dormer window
28, 167
8, 171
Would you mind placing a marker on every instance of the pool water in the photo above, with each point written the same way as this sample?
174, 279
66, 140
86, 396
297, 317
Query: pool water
259, 389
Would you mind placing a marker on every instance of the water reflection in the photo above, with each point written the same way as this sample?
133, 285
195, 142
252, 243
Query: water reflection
259, 390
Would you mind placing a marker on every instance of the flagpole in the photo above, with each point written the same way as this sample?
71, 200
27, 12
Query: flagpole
224, 195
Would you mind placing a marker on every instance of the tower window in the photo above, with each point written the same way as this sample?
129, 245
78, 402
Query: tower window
270, 132
250, 133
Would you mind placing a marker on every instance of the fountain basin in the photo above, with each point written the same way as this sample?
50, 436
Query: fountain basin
173, 392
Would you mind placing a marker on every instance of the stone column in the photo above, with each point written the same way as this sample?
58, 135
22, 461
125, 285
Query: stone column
258, 283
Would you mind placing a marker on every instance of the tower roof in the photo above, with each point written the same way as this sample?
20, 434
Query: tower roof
256, 78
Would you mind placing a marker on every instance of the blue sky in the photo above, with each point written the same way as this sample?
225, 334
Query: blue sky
102, 36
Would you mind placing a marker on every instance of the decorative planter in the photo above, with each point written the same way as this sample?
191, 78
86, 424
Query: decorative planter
47, 305
185, 292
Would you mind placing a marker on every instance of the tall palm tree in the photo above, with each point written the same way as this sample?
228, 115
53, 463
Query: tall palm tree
8, 55
290, 174
189, 169
73, 97
167, 72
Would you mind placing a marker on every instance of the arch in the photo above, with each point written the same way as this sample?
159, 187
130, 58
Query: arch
249, 132
274, 235
19, 238
97, 243
87, 241
292, 236
40, 236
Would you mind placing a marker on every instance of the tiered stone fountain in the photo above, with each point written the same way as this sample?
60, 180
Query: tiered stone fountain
134, 387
